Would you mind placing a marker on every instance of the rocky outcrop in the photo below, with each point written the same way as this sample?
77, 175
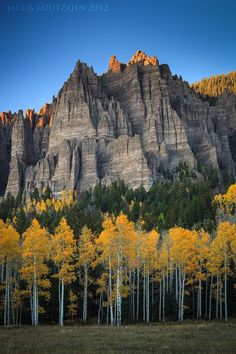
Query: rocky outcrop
135, 123
115, 65
142, 57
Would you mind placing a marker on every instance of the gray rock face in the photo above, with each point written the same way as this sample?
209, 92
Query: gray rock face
4, 164
134, 123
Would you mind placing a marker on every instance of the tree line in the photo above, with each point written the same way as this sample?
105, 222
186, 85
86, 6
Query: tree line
214, 86
126, 272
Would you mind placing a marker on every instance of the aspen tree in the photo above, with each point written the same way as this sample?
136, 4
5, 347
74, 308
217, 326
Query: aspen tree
124, 242
163, 265
214, 268
182, 252
149, 260
105, 250
36, 250
10, 254
63, 254
139, 238
86, 258
226, 232
116, 245
202, 242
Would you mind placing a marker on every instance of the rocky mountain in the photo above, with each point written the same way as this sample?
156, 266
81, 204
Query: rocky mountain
136, 122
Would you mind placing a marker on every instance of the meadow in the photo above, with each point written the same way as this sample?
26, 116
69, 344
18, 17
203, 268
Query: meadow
188, 337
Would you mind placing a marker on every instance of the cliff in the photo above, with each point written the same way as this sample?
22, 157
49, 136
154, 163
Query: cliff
136, 122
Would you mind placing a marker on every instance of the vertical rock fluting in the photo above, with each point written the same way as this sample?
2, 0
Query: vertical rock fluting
26, 137
135, 123
22, 153
4, 164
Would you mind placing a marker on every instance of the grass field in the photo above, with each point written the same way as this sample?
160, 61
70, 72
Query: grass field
188, 337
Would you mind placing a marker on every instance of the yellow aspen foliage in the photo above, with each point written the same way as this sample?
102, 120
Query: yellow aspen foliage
63, 251
72, 305
221, 250
9, 244
10, 256
226, 202
86, 248
149, 245
36, 249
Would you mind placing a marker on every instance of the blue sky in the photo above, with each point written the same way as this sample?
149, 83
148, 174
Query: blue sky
40, 44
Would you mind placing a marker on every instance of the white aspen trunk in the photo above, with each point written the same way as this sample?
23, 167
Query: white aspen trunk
220, 299
163, 298
137, 299
8, 303
193, 301
115, 312
11, 300
108, 308
118, 295
35, 297
110, 293
167, 279
225, 289
200, 300
61, 304
2, 272
147, 298
85, 299
182, 298
138, 279
6, 296
144, 293
153, 299
179, 294
176, 284
59, 299
199, 297
171, 276
160, 297
210, 297
152, 293
37, 306
217, 297
31, 306
133, 295
206, 305
17, 307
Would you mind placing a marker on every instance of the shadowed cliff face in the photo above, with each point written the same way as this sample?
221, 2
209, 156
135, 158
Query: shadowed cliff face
133, 123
